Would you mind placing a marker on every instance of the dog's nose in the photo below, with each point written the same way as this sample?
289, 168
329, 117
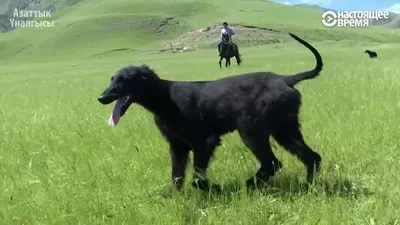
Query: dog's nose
106, 98
101, 99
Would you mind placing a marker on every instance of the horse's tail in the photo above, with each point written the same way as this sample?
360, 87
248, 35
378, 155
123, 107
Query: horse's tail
239, 57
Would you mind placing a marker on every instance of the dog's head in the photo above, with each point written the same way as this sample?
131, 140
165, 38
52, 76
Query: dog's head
127, 86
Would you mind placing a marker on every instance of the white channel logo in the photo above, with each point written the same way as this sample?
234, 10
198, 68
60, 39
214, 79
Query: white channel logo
329, 19
352, 18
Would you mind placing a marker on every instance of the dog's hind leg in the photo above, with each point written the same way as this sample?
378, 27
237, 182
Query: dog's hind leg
201, 158
257, 141
285, 128
288, 135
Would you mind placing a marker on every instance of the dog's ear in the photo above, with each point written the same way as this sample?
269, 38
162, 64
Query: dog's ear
145, 67
146, 72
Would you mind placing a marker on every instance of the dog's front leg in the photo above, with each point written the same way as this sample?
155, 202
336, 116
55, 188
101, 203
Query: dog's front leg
201, 158
179, 156
179, 152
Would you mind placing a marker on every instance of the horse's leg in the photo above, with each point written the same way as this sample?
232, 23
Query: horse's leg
220, 60
227, 56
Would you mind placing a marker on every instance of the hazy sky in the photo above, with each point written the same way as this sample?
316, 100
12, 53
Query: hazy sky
391, 5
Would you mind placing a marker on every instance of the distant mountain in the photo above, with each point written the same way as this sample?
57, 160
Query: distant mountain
313, 6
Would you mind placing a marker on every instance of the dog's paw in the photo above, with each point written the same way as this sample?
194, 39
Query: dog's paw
205, 185
201, 184
169, 192
178, 183
277, 167
255, 183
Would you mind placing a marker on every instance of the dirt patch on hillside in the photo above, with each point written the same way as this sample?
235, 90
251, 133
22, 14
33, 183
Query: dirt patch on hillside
165, 23
208, 37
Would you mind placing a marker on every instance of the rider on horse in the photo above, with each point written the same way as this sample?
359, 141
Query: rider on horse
225, 32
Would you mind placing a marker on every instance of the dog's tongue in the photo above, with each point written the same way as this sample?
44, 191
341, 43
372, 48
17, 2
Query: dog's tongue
116, 114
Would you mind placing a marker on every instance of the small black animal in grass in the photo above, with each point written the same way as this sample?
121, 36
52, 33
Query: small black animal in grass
371, 54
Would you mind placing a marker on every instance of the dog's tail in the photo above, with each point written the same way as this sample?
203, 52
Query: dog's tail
296, 78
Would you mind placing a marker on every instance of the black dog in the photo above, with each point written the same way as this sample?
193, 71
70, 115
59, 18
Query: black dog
193, 115
371, 54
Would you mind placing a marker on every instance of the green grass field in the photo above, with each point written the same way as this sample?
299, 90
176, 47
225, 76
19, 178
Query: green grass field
61, 163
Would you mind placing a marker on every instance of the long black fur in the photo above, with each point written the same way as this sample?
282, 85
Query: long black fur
229, 50
194, 115
371, 54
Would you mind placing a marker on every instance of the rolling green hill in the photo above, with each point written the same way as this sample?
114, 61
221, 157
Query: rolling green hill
95, 27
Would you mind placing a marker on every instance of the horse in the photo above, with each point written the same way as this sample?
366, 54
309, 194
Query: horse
229, 50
